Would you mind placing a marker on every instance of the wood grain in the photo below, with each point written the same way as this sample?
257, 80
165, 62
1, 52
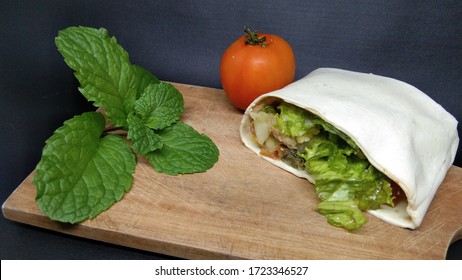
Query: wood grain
244, 207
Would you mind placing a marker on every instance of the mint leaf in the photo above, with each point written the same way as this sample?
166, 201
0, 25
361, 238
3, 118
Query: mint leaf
160, 105
184, 150
80, 175
143, 138
103, 69
143, 79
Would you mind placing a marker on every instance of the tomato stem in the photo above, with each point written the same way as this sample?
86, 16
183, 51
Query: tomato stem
252, 38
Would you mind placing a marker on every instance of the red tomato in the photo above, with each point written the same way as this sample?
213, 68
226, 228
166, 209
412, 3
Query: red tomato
256, 64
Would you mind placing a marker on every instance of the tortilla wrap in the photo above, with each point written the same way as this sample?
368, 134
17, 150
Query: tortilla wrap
403, 132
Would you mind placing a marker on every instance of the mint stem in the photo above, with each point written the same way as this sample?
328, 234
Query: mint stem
110, 129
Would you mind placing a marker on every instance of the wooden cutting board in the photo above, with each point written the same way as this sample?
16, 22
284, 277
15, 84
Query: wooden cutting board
244, 207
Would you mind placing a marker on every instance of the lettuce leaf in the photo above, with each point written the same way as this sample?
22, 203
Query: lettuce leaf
344, 214
345, 181
292, 120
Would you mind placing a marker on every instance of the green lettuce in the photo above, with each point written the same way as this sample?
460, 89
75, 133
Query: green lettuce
291, 121
345, 181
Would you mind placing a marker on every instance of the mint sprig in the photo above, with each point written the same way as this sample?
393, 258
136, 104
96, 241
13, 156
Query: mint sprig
84, 168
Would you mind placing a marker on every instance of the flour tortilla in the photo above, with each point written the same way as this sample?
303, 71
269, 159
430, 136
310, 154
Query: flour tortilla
403, 132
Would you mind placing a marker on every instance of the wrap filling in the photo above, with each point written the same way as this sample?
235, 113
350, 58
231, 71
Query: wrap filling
346, 183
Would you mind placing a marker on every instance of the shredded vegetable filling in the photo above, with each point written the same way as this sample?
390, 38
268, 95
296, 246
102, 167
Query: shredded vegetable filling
346, 182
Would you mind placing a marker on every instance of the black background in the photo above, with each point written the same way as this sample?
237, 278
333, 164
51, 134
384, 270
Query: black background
419, 42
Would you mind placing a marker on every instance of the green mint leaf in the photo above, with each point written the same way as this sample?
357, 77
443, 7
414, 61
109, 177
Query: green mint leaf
143, 138
143, 79
103, 69
160, 105
80, 174
184, 151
